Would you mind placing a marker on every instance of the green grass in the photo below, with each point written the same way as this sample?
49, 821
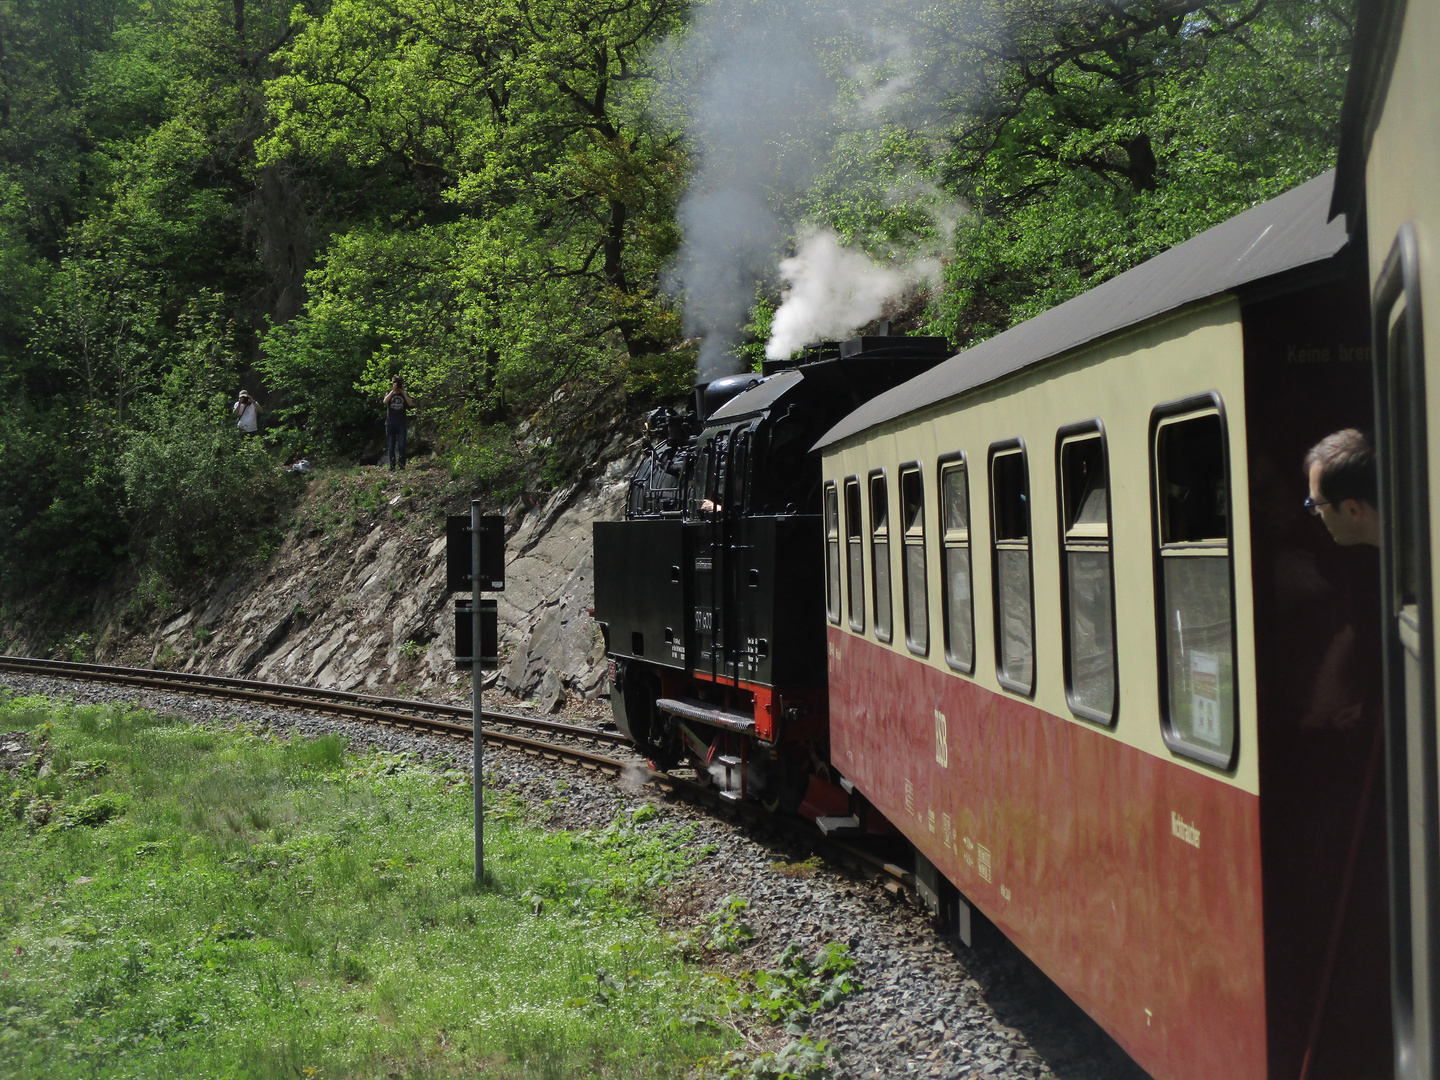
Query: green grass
177, 901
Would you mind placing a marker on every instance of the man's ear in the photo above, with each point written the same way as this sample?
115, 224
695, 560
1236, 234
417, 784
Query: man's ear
1354, 509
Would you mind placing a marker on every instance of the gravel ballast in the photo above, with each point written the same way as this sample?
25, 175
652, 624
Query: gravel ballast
930, 1006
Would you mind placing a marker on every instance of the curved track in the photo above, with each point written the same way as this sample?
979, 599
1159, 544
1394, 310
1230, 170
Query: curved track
408, 713
433, 718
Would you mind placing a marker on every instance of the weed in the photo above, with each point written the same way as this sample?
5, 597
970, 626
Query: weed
806, 868
186, 901
728, 928
81, 648
796, 987
803, 1059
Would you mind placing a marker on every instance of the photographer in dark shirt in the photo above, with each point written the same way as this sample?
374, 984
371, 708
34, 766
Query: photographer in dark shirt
397, 402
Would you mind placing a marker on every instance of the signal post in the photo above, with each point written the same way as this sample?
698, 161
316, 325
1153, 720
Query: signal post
475, 560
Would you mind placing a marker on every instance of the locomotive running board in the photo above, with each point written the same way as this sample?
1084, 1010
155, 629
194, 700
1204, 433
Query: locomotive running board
704, 713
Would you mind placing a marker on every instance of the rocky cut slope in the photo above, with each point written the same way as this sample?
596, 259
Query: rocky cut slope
354, 597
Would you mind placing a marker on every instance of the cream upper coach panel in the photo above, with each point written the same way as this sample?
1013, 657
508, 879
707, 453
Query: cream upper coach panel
1118, 382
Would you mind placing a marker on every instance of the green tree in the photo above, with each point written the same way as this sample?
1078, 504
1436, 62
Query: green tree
538, 197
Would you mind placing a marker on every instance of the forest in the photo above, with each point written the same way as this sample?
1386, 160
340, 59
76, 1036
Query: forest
543, 213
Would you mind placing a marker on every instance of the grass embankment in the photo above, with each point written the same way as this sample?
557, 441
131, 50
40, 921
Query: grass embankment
181, 901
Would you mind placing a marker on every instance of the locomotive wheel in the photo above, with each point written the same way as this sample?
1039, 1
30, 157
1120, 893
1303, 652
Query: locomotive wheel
661, 758
645, 726
783, 797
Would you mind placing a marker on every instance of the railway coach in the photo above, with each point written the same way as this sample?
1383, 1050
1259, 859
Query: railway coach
1386, 187
1088, 651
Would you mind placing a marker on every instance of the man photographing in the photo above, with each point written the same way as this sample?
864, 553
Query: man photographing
247, 413
1341, 468
397, 401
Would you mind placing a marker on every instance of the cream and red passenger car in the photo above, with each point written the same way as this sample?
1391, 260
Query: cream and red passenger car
1088, 651
1388, 189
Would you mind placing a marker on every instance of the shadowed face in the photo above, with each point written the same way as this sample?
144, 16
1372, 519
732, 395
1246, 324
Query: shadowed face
1350, 521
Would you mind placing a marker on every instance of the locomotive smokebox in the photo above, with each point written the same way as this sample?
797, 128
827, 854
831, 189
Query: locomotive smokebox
710, 396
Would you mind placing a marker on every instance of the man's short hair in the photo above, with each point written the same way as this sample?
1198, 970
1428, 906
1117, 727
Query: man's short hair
1347, 467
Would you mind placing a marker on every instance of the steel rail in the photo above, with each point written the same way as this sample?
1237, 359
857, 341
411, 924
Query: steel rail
370, 707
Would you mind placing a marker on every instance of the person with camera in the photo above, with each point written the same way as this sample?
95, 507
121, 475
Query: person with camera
247, 413
397, 401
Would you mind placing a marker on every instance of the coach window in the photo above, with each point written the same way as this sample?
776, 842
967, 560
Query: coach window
880, 554
855, 553
917, 597
832, 553
1087, 573
959, 611
1014, 590
1192, 502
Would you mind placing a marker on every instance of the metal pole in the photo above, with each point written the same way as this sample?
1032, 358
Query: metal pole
477, 680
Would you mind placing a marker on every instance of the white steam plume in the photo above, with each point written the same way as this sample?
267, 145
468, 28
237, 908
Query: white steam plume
831, 290
767, 92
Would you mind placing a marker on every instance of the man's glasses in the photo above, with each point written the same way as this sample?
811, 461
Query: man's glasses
1313, 505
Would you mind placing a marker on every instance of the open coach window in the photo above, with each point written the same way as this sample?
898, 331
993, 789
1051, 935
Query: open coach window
1194, 579
832, 553
955, 564
1087, 573
917, 598
1014, 588
880, 554
855, 554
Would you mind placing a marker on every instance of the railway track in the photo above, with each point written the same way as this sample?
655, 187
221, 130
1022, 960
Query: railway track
406, 713
437, 718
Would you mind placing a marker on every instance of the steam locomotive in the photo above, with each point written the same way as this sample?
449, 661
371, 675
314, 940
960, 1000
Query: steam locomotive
709, 592
1051, 610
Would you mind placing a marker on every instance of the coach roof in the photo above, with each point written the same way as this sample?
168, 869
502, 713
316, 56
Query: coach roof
1286, 233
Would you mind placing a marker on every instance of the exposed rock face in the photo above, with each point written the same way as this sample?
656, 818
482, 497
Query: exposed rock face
366, 608
549, 591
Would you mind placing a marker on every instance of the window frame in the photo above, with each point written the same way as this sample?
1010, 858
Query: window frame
888, 637
833, 573
1002, 448
855, 615
1169, 412
907, 541
1073, 433
944, 464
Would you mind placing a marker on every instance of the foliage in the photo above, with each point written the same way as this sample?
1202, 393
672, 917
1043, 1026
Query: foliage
225, 903
523, 250
801, 1059
199, 194
797, 988
1112, 137
196, 491
1040, 149
727, 925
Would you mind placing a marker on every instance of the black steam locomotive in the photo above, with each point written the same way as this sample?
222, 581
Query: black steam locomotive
711, 591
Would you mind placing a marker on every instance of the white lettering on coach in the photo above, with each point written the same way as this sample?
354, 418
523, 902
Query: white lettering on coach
1185, 831
942, 742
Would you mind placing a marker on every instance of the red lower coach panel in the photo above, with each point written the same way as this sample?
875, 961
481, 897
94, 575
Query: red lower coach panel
1133, 882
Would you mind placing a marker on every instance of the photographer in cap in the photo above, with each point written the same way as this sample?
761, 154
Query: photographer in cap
247, 414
